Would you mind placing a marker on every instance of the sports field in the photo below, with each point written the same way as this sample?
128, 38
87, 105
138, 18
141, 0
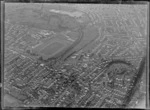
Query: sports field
52, 48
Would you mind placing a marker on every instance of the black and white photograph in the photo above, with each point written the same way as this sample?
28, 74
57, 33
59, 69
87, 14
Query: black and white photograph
75, 55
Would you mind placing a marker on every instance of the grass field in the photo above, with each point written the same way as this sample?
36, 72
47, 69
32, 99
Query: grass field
52, 48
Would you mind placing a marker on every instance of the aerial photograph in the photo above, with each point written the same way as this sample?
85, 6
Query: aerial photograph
75, 55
